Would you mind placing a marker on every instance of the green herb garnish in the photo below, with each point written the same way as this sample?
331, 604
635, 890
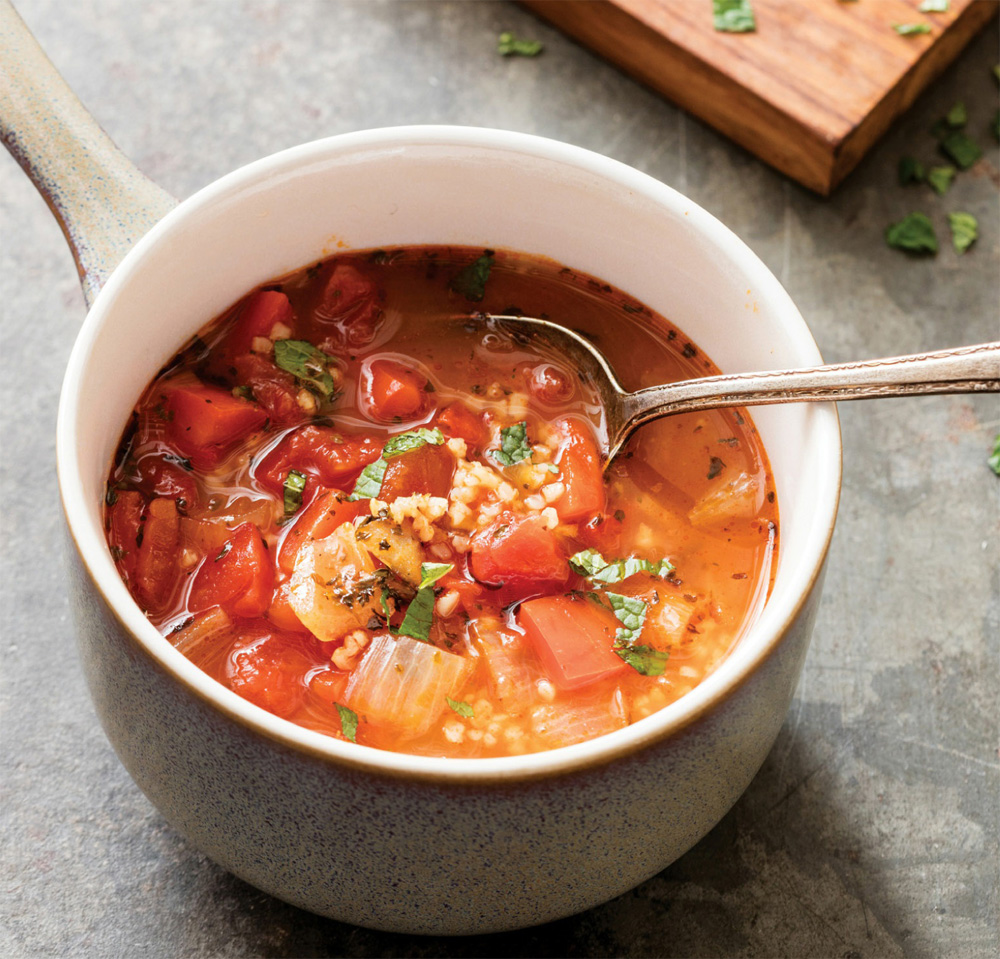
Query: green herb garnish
733, 16
369, 483
957, 116
644, 659
911, 171
295, 483
961, 149
348, 722
430, 573
471, 281
631, 613
964, 230
508, 46
911, 29
934, 6
940, 178
595, 567
994, 461
514, 445
307, 364
420, 613
914, 234
463, 709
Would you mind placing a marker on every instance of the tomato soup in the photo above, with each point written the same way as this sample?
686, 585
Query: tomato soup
362, 504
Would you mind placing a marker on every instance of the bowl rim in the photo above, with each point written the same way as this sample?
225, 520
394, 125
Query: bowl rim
656, 728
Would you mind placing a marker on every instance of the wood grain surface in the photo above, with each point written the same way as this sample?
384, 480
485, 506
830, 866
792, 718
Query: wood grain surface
809, 91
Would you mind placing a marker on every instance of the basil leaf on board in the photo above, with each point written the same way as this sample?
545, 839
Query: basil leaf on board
590, 563
471, 280
307, 364
369, 483
463, 709
295, 483
733, 16
994, 461
911, 171
941, 178
961, 149
957, 116
911, 29
514, 445
348, 722
508, 45
644, 659
914, 234
411, 440
964, 230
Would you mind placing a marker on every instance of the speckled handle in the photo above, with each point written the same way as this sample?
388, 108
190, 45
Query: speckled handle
103, 203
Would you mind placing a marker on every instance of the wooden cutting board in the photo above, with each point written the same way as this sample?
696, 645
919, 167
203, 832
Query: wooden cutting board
809, 92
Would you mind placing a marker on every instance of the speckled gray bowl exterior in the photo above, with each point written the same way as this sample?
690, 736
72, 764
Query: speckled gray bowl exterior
396, 854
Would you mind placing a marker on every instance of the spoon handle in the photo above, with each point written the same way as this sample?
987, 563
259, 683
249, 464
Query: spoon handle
970, 369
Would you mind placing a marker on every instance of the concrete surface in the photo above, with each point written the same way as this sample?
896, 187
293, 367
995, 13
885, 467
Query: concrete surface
872, 829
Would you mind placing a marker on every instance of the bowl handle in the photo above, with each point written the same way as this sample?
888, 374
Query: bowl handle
102, 202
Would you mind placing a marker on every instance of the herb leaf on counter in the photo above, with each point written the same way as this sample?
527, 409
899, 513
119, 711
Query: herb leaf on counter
911, 29
508, 45
914, 234
940, 178
994, 461
911, 171
961, 149
964, 230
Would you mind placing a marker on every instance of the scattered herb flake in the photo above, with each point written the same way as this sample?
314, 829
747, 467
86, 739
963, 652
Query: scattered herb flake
964, 230
509, 46
514, 445
994, 461
463, 709
957, 116
914, 234
348, 722
911, 29
934, 6
961, 149
471, 280
715, 467
941, 178
911, 171
733, 16
307, 364
590, 563
295, 483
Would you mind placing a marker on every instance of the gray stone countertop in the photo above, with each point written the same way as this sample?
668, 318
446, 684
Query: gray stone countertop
872, 829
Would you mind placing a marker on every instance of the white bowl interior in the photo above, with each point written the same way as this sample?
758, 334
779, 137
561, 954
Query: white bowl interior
426, 185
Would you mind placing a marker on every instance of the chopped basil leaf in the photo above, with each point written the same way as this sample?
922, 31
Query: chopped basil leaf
733, 16
644, 659
994, 460
961, 149
631, 613
404, 442
914, 233
595, 567
551, 467
957, 116
715, 467
420, 613
463, 709
964, 230
911, 29
940, 178
307, 364
934, 6
508, 45
471, 281
514, 445
369, 483
911, 171
295, 483
348, 722
430, 573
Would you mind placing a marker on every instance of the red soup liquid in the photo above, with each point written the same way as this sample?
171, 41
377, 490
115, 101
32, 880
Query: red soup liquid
359, 504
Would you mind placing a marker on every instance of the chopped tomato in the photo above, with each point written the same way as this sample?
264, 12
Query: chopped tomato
549, 384
389, 391
240, 578
207, 422
457, 420
268, 668
348, 311
519, 557
328, 684
334, 458
603, 532
124, 526
161, 475
274, 389
427, 469
580, 471
319, 519
156, 564
573, 637
257, 318
280, 611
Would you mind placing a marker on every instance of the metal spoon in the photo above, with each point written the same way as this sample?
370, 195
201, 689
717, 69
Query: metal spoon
968, 369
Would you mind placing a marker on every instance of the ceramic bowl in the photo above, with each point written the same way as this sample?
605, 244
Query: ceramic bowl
408, 843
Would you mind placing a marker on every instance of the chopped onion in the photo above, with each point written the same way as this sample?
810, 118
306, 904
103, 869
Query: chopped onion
563, 723
670, 619
202, 635
405, 682
740, 498
514, 671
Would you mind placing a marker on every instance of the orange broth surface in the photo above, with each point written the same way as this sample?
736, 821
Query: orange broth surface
365, 508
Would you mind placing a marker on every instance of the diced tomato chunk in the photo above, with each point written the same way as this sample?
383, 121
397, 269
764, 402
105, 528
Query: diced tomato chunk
328, 685
207, 422
274, 389
269, 668
159, 475
519, 556
328, 510
427, 469
280, 611
573, 637
156, 565
348, 311
258, 316
580, 470
457, 420
334, 458
389, 391
240, 579
124, 525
